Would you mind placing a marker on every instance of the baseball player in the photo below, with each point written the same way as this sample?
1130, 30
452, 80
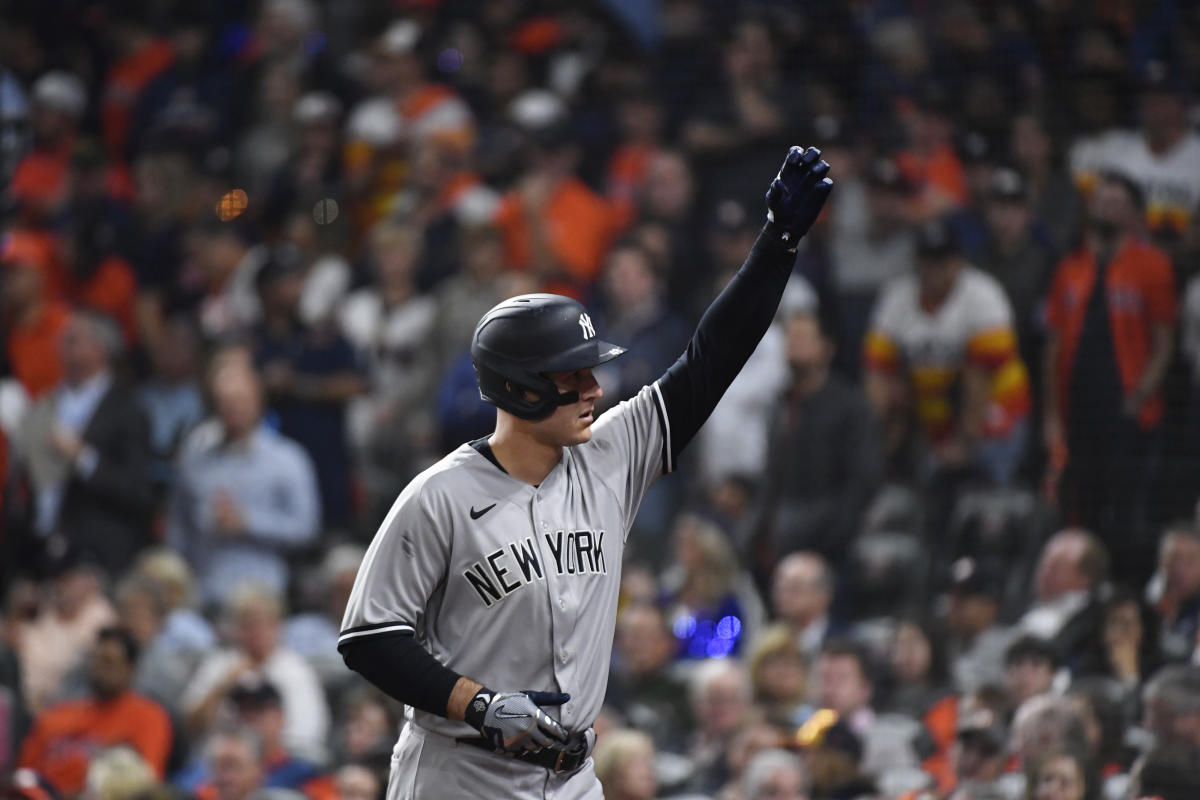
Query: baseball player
487, 600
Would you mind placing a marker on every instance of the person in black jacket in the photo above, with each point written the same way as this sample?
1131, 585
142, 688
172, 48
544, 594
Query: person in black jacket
85, 446
824, 463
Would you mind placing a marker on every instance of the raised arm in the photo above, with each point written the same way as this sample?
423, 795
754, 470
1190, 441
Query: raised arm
736, 321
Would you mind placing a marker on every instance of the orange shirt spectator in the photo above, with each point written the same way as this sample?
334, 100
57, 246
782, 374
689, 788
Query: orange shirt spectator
111, 289
40, 181
33, 349
627, 172
34, 322
1141, 294
577, 223
66, 736
124, 83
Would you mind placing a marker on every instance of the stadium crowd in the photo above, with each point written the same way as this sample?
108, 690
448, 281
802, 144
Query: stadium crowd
939, 540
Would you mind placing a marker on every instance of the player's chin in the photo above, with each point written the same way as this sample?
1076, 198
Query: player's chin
583, 430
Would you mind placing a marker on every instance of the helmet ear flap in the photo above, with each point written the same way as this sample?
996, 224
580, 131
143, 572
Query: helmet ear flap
508, 393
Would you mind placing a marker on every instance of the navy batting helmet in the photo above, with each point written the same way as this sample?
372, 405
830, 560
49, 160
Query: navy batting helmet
525, 337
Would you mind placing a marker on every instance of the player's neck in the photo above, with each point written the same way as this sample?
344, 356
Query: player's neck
523, 456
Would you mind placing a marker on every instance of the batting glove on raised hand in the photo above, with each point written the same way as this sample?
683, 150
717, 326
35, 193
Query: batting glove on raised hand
795, 197
514, 722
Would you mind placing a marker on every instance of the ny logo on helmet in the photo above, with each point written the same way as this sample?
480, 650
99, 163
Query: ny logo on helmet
585, 322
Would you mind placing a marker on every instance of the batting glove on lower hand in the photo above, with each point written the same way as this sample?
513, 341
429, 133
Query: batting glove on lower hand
797, 194
514, 722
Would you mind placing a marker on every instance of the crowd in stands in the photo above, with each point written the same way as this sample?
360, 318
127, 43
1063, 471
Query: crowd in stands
940, 540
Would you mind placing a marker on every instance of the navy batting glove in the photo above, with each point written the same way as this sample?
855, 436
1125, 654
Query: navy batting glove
547, 698
795, 197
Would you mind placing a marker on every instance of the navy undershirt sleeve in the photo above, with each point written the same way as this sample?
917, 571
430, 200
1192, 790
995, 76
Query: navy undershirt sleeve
401, 667
727, 335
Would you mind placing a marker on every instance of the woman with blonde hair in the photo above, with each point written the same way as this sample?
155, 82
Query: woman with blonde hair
624, 762
779, 676
711, 603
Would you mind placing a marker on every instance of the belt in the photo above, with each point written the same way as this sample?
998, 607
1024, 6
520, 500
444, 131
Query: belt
568, 759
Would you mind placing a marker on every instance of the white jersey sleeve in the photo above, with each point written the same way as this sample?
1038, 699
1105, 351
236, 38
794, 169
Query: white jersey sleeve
988, 306
630, 448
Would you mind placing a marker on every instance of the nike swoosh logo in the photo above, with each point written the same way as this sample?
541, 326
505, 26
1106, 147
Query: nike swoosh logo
500, 711
477, 514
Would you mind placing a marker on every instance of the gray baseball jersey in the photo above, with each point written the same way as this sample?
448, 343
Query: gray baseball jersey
510, 584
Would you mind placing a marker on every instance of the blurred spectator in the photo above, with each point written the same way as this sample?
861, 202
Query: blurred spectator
847, 687
310, 373
1111, 316
312, 174
57, 634
1171, 706
1062, 775
1070, 571
1162, 156
391, 325
97, 274
259, 707
40, 183
1106, 717
1168, 772
721, 697
314, 634
1029, 667
357, 782
943, 340
34, 320
191, 99
920, 688
801, 596
234, 759
1175, 591
164, 670
66, 736
183, 628
170, 396
976, 641
624, 762
775, 775
225, 263
638, 314
463, 298
642, 685
139, 57
832, 754
1128, 643
1019, 257
118, 773
86, 448
711, 603
746, 113
980, 753
640, 119
872, 244
1055, 205
443, 193
253, 615
245, 495
1045, 723
267, 142
778, 673
929, 160
553, 224
824, 462
369, 722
